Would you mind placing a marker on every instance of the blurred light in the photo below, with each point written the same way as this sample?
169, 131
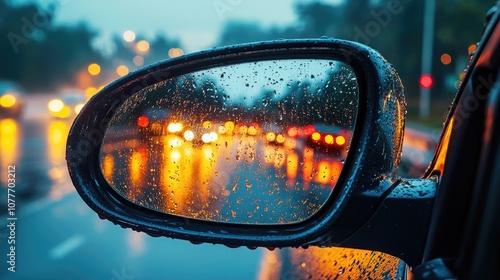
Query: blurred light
472, 48
229, 125
55, 105
270, 136
222, 129
293, 131
100, 88
280, 138
445, 59
243, 130
143, 121
138, 60
329, 139
426, 81
129, 36
309, 129
7, 100
175, 142
461, 76
94, 69
252, 130
206, 138
90, 91
207, 124
174, 127
340, 140
316, 136
64, 113
213, 136
142, 46
122, 70
175, 52
9, 134
78, 108
189, 135
292, 166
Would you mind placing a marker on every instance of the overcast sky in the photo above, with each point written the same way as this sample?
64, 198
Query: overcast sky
196, 23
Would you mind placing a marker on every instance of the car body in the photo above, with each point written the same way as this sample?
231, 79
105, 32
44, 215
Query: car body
11, 100
444, 225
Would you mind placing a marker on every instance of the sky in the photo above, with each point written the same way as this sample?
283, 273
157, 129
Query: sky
196, 23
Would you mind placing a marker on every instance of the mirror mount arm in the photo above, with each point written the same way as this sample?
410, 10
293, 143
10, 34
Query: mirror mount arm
400, 224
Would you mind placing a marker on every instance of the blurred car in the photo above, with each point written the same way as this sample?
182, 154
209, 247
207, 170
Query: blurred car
327, 139
203, 133
418, 151
11, 100
154, 122
274, 134
67, 106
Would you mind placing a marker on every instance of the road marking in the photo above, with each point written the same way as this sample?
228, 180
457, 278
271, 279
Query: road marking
63, 249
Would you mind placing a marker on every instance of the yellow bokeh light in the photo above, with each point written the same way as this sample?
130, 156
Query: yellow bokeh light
142, 46
175, 52
329, 139
270, 136
94, 69
280, 138
122, 70
55, 105
90, 91
340, 140
229, 125
445, 59
316, 136
7, 100
138, 60
129, 36
78, 108
207, 124
65, 112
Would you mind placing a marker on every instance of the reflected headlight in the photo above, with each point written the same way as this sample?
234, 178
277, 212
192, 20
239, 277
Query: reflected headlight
78, 108
7, 100
55, 105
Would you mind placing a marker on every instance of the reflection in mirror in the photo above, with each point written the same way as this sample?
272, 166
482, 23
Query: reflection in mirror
252, 143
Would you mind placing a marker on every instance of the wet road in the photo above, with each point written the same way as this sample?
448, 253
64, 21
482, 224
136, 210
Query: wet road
58, 237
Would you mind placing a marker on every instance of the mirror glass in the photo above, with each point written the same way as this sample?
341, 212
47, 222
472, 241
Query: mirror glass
252, 143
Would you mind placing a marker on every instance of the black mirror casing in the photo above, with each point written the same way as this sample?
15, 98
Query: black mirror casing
366, 179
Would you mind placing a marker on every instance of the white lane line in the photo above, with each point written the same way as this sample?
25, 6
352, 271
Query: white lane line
66, 247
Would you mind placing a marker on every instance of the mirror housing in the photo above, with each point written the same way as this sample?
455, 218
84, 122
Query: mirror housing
366, 181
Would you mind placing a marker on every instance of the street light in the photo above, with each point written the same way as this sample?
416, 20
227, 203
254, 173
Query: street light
129, 36
142, 46
94, 69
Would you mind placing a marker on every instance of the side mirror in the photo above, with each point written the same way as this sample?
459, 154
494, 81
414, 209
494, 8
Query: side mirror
282, 143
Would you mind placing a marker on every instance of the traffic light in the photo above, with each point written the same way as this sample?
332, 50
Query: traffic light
426, 81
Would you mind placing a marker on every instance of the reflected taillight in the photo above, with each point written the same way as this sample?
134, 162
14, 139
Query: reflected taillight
143, 121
